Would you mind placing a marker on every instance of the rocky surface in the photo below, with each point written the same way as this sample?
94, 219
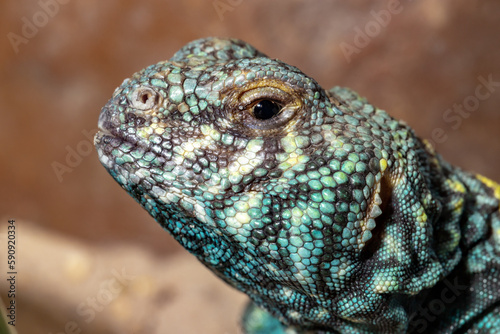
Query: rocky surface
64, 285
416, 62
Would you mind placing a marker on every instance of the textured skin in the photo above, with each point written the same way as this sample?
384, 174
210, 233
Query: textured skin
331, 215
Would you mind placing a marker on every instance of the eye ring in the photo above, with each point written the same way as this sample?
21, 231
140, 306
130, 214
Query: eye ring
266, 108
143, 98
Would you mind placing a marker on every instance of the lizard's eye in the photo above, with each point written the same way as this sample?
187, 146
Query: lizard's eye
143, 98
265, 109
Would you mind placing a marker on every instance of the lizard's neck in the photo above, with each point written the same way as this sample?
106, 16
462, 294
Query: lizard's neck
466, 242
469, 204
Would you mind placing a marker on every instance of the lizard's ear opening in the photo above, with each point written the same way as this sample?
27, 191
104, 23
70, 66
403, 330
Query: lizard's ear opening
382, 200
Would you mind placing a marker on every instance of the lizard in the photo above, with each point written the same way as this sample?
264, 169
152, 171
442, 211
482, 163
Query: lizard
332, 216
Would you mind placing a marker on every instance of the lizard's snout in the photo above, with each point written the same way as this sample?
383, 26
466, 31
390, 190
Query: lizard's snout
108, 118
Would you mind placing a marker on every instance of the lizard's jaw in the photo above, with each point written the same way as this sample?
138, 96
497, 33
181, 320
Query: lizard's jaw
152, 177
105, 139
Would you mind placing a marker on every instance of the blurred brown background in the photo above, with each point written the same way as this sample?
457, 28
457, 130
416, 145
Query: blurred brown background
60, 61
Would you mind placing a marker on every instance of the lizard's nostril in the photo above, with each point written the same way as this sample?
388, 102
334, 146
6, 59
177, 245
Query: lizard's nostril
144, 98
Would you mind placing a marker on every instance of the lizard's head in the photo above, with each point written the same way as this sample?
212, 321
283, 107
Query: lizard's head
271, 181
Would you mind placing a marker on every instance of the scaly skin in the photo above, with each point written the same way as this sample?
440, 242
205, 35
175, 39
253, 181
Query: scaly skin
331, 215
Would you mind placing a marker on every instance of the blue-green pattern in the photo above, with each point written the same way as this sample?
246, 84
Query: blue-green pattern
331, 215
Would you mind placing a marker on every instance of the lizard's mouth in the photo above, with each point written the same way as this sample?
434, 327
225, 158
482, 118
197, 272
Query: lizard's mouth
111, 134
107, 128
109, 121
109, 138
104, 143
